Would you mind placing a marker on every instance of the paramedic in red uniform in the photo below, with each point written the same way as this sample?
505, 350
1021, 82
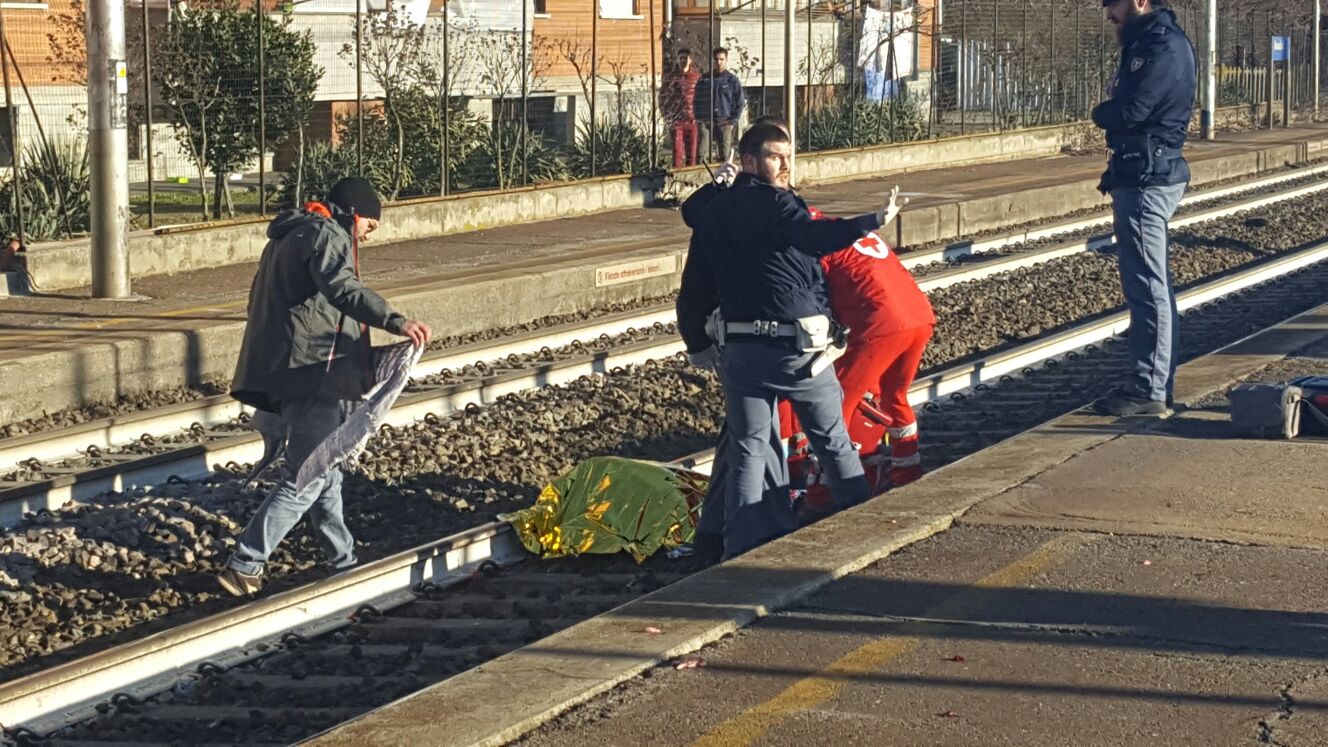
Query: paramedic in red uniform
890, 322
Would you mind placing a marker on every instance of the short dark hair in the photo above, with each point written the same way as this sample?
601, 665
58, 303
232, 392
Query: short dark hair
719, 50
773, 119
684, 51
758, 136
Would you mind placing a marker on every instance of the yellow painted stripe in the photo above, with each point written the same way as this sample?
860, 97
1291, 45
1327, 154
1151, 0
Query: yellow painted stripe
812, 691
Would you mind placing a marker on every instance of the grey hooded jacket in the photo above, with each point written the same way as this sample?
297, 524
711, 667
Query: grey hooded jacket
306, 306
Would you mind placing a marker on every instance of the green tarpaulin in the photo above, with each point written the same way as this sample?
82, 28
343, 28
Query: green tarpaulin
610, 504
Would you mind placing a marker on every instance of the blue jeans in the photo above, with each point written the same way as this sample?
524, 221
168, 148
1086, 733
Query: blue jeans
308, 423
1141, 216
755, 375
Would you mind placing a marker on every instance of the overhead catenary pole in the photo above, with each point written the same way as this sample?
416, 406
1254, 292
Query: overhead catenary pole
108, 147
790, 86
1207, 126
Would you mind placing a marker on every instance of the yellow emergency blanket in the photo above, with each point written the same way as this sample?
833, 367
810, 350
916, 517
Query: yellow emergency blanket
610, 504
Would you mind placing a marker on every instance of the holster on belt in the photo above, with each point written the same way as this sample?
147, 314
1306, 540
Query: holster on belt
824, 338
1136, 160
714, 327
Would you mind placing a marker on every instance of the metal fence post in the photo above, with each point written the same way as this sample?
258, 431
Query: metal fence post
445, 89
1288, 70
260, 12
807, 95
790, 86
765, 62
1268, 35
961, 68
594, 76
1317, 30
1207, 123
359, 87
1023, 69
11, 124
654, 74
853, 72
147, 116
522, 145
709, 51
997, 121
933, 111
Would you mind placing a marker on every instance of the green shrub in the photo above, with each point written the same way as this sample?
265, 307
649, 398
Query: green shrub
856, 122
56, 195
619, 149
497, 158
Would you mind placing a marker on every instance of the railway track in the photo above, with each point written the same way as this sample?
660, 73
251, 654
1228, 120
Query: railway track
49, 470
294, 663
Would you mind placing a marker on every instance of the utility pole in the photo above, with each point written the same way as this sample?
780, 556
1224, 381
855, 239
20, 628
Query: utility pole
791, 86
108, 147
1207, 123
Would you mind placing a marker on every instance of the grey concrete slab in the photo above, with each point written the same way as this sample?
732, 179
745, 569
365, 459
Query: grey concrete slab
980, 636
1158, 483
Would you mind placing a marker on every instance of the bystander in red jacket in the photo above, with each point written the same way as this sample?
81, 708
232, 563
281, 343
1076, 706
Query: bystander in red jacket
677, 97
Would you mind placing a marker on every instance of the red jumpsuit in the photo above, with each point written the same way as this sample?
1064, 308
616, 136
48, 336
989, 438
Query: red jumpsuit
890, 321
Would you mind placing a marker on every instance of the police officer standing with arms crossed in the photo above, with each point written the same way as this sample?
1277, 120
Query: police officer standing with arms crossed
1146, 115
755, 251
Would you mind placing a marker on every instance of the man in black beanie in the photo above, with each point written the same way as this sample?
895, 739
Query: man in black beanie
306, 358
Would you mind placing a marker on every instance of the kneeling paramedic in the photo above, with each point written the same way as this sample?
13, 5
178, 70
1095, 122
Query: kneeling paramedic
890, 322
1145, 117
754, 251
306, 358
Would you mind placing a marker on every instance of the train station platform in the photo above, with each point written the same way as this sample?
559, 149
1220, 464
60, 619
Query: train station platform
184, 329
1092, 582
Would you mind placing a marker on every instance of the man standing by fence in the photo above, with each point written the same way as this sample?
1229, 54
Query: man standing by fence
678, 101
719, 104
1146, 115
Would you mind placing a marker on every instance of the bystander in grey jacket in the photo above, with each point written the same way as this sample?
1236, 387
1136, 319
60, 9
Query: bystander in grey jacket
306, 336
306, 359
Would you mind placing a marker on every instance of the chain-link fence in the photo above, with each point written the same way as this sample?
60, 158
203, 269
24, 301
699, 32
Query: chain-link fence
239, 109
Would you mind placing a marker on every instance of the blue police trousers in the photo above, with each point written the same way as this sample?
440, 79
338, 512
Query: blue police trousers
1141, 216
720, 514
309, 421
755, 375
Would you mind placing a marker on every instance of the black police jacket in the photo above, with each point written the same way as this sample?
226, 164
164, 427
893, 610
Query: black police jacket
1148, 116
754, 253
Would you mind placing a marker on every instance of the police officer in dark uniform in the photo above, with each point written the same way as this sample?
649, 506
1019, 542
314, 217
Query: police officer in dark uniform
1146, 115
754, 254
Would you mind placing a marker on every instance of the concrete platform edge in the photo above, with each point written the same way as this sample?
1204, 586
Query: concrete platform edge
514, 694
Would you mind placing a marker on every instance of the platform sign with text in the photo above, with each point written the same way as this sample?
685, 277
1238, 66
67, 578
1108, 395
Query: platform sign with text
1281, 48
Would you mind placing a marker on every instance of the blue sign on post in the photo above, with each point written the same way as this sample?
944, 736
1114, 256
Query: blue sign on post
1281, 48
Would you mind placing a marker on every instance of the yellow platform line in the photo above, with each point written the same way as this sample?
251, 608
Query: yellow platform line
816, 689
